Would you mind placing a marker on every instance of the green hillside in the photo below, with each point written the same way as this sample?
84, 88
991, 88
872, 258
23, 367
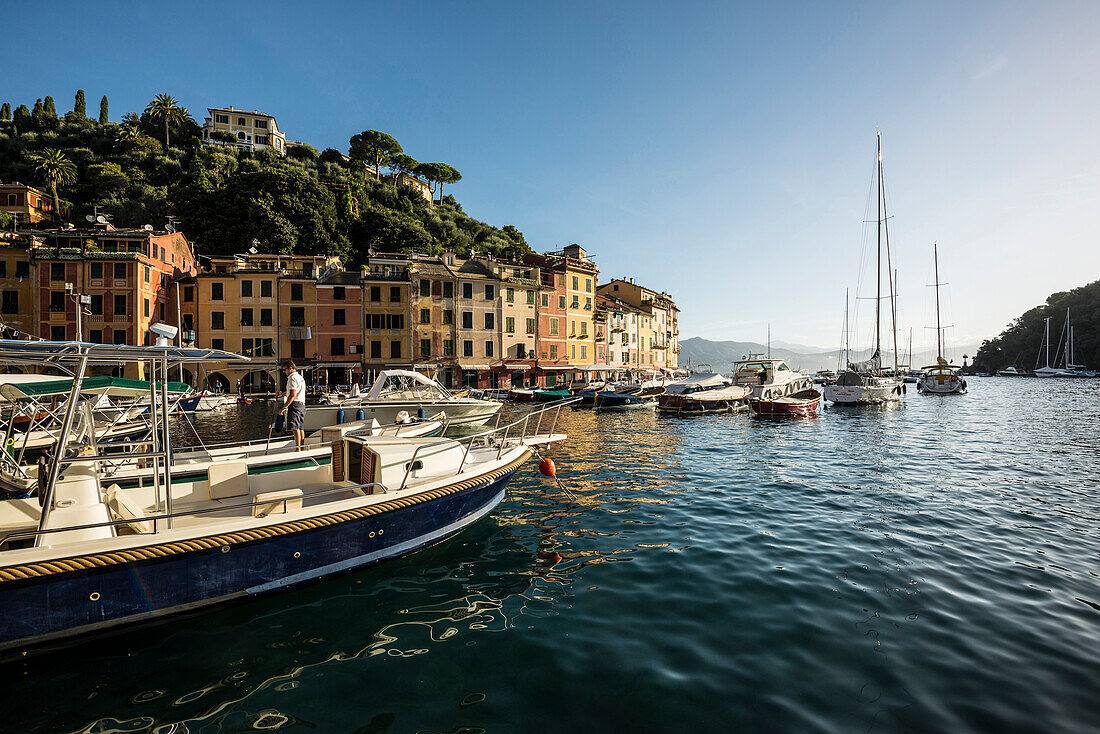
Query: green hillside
1021, 341
152, 165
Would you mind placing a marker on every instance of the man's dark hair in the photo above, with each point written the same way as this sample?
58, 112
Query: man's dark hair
289, 365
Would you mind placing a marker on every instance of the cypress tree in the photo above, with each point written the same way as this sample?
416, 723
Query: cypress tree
38, 116
48, 105
78, 106
103, 110
5, 112
22, 117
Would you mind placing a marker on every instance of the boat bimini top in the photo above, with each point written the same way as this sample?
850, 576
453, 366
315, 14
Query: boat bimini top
401, 384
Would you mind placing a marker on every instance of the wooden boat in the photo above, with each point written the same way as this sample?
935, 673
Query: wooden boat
803, 402
717, 400
549, 396
626, 401
214, 532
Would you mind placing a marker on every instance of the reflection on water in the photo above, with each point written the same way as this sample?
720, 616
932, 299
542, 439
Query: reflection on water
927, 567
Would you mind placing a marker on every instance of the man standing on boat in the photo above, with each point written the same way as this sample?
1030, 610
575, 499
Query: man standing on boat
295, 405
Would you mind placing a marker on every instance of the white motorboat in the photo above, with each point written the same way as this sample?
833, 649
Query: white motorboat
402, 390
865, 383
769, 378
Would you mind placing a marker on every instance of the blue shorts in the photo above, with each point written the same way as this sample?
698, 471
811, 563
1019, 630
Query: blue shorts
296, 417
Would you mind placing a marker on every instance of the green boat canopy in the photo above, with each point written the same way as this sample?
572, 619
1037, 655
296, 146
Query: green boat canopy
113, 386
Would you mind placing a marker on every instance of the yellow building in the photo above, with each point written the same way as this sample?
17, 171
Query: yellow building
659, 331
433, 304
28, 204
251, 130
581, 277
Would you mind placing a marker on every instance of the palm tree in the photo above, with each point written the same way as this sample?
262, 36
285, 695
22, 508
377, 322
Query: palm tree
55, 167
165, 109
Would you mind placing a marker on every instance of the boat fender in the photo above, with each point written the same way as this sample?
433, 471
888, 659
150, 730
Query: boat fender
547, 468
339, 416
359, 415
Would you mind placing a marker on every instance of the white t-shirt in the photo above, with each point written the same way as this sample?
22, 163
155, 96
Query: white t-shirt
296, 382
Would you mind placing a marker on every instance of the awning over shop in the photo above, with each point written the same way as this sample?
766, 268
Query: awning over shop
555, 367
473, 366
427, 366
348, 365
517, 366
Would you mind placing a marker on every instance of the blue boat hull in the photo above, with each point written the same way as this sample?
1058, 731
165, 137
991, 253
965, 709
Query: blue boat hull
48, 602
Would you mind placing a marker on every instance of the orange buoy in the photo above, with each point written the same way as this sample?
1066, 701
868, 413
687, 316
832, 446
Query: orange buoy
546, 466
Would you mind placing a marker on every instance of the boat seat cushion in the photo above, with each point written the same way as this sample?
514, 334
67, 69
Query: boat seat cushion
228, 479
125, 507
277, 502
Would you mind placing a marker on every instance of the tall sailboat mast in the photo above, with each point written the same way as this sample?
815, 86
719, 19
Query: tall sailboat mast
878, 260
847, 347
939, 331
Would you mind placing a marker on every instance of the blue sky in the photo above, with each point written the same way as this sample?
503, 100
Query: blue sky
720, 151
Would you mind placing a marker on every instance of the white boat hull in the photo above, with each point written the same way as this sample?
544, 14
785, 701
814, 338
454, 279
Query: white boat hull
464, 412
863, 394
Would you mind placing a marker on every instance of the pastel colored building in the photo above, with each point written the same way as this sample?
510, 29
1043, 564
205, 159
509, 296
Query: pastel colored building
27, 204
387, 319
251, 130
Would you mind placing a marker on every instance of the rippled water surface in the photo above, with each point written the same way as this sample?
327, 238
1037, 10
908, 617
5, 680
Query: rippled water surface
932, 567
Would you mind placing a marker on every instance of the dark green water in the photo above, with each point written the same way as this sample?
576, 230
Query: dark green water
930, 568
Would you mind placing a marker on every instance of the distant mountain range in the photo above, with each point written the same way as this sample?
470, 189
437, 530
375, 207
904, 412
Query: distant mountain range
721, 355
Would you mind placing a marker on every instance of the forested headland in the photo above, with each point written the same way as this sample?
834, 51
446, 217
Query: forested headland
1020, 342
152, 165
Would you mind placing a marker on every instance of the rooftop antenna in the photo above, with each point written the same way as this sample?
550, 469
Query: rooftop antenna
170, 224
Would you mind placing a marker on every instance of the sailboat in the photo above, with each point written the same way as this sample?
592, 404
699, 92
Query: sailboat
1068, 368
864, 383
941, 378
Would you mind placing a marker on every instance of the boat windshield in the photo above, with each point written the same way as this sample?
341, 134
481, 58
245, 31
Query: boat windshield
405, 385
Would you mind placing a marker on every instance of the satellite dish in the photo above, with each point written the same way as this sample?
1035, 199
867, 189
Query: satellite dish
370, 251
147, 227
91, 217
101, 219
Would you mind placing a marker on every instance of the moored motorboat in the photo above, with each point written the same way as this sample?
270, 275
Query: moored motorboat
208, 533
803, 402
716, 400
769, 378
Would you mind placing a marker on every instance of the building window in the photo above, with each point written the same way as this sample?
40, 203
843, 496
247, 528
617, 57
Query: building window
338, 318
97, 336
246, 289
490, 321
97, 270
546, 300
510, 295
265, 288
215, 343
217, 292
337, 346
96, 306
553, 351
396, 321
467, 290
296, 292
448, 348
57, 333
57, 301
448, 289
146, 274
217, 321
120, 271
572, 351
261, 139
11, 302
395, 349
561, 302
576, 283
189, 294
120, 306
467, 348
395, 294
490, 293
246, 317
530, 326
530, 298
57, 271
448, 316
265, 317
262, 124
338, 293
467, 319
425, 288
240, 122
375, 294
584, 351
553, 327
223, 119
119, 336
510, 325
488, 348
587, 285
297, 316
246, 347
425, 316
23, 269
425, 347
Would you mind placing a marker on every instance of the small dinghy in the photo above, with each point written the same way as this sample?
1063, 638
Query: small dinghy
803, 402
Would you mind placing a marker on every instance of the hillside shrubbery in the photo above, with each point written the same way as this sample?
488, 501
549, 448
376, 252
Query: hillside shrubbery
224, 199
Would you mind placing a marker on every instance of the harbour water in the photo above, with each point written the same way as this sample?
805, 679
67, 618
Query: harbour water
931, 567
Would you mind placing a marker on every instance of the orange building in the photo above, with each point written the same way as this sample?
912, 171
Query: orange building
28, 204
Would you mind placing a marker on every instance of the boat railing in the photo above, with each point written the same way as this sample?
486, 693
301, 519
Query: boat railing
487, 436
36, 533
